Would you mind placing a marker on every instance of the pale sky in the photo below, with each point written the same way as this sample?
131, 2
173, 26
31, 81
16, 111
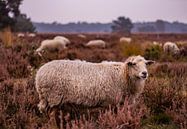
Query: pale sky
64, 11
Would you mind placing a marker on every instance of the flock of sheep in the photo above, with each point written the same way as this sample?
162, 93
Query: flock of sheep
91, 84
21, 35
60, 43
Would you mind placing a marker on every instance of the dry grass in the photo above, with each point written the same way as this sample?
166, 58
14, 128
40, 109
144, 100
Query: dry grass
7, 37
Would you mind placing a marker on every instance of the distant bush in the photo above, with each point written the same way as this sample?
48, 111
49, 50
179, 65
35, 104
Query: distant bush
153, 52
129, 49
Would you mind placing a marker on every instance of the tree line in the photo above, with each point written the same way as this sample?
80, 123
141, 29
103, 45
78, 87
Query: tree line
10, 16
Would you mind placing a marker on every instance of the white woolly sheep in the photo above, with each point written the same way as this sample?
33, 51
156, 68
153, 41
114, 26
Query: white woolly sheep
111, 62
31, 35
170, 47
81, 36
91, 84
125, 39
96, 43
157, 43
21, 35
51, 45
62, 39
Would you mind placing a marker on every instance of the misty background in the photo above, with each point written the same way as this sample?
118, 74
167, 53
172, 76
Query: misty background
97, 15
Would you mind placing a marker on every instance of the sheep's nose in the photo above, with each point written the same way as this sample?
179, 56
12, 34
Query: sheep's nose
144, 74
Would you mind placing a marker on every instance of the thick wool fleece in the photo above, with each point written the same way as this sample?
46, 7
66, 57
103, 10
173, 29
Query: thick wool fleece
80, 82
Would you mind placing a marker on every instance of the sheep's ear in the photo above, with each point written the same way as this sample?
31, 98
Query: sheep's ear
149, 62
131, 63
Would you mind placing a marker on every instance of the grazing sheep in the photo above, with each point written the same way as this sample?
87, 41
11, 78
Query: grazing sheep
21, 35
96, 43
90, 84
31, 35
62, 39
170, 47
182, 43
157, 43
51, 45
125, 39
81, 36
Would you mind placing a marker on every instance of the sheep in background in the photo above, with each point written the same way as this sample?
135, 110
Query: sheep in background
170, 47
90, 84
96, 43
21, 35
181, 43
157, 43
31, 35
51, 45
125, 39
62, 39
81, 36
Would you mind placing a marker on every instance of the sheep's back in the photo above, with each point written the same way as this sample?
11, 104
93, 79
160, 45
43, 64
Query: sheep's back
81, 82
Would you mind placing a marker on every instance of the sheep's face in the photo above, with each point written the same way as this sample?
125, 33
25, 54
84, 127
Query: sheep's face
39, 52
176, 50
137, 67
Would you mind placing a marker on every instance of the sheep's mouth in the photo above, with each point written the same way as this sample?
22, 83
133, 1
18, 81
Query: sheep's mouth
144, 77
141, 77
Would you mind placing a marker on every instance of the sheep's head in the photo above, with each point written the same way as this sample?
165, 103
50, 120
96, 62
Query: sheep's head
176, 50
137, 67
39, 51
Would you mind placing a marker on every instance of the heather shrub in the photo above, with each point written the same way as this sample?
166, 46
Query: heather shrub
153, 52
11, 111
169, 70
19, 59
159, 94
4, 73
18, 105
34, 60
178, 114
183, 51
82, 123
127, 116
160, 118
16, 65
71, 55
124, 116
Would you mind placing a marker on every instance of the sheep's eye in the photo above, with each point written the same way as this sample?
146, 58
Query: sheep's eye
131, 64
